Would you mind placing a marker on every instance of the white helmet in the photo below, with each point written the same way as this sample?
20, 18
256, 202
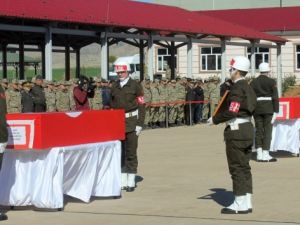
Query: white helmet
264, 67
122, 67
240, 63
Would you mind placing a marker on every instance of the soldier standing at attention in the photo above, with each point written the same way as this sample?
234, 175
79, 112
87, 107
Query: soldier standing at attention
38, 94
62, 98
27, 99
214, 94
3, 134
238, 135
180, 96
128, 94
205, 109
50, 96
155, 100
265, 112
96, 101
148, 100
163, 94
13, 98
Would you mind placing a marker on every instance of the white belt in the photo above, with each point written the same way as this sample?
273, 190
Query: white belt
264, 99
131, 114
234, 123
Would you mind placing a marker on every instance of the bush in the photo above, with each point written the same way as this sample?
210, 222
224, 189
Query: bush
288, 82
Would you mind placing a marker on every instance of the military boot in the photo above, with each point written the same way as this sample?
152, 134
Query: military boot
131, 182
239, 206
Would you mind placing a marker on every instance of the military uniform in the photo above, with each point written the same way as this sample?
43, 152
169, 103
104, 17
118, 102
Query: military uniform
267, 104
206, 106
39, 98
172, 99
50, 96
13, 100
214, 96
180, 97
96, 101
163, 91
148, 100
238, 134
154, 108
130, 97
62, 102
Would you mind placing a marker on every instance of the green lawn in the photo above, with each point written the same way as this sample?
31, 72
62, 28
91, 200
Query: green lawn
58, 73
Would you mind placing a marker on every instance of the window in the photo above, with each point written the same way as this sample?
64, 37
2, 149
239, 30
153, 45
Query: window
261, 55
298, 57
164, 59
211, 58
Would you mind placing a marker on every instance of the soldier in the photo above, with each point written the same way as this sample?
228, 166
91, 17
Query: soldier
180, 98
62, 96
50, 96
214, 94
73, 84
206, 105
3, 134
148, 100
173, 105
238, 135
96, 102
128, 94
155, 101
265, 112
39, 95
27, 98
190, 107
105, 94
13, 96
163, 94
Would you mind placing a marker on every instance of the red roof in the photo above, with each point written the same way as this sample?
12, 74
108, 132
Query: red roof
262, 19
123, 13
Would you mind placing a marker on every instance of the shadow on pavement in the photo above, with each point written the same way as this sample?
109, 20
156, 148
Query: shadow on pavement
220, 196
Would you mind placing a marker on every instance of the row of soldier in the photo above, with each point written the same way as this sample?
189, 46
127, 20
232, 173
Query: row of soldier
168, 102
180, 101
48, 96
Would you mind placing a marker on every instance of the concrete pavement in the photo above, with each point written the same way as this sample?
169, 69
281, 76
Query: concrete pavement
185, 180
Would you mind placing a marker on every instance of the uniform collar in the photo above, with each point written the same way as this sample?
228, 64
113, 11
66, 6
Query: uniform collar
242, 78
124, 82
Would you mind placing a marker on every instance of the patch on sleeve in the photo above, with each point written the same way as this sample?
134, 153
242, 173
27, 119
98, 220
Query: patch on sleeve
234, 107
140, 100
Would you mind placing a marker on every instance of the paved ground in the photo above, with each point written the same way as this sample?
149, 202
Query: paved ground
185, 181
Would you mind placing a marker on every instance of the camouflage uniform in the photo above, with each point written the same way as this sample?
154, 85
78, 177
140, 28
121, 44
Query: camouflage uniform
163, 90
96, 102
155, 100
50, 99
205, 110
181, 94
63, 99
214, 96
13, 100
148, 100
173, 108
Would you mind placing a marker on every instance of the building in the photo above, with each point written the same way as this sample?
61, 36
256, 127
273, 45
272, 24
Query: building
207, 57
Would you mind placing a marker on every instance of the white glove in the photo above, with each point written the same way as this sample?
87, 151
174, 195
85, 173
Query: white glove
274, 118
138, 130
210, 121
2, 147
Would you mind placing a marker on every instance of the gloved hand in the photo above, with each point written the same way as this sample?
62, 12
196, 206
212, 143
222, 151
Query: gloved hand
138, 130
2, 147
210, 121
274, 118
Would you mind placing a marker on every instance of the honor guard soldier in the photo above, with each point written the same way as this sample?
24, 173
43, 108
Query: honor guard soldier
265, 112
128, 94
237, 111
38, 94
3, 134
